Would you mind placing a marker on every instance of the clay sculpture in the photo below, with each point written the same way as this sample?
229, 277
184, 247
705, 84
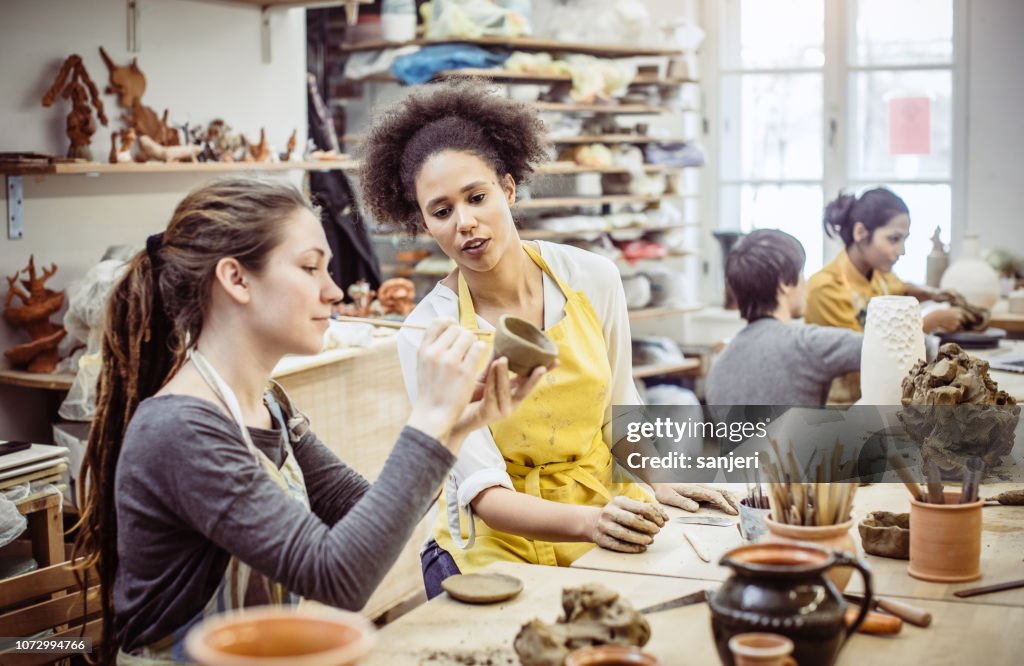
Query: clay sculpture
129, 83
38, 303
953, 410
397, 296
593, 615
73, 83
124, 155
886, 534
525, 345
155, 151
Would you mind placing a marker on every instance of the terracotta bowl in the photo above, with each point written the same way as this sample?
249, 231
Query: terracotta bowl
523, 344
611, 655
886, 534
281, 636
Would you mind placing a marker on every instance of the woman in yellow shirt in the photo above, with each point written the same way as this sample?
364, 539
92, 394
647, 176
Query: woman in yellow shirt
874, 228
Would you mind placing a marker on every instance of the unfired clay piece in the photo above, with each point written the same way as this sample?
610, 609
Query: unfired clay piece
33, 315
886, 534
983, 423
525, 345
482, 588
593, 615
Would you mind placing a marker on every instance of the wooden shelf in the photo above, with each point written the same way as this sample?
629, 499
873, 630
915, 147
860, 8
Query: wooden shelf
689, 366
499, 75
90, 168
657, 313
616, 138
651, 79
547, 234
569, 202
50, 382
568, 168
519, 44
600, 108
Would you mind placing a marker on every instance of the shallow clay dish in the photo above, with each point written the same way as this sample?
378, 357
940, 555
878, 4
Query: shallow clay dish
523, 344
482, 588
886, 534
610, 655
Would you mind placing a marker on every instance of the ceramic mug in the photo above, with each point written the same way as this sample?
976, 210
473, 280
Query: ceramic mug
761, 649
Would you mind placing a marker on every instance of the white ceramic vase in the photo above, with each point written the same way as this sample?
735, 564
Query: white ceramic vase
893, 342
972, 276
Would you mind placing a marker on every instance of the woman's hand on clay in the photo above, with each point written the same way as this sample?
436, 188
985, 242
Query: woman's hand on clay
495, 396
627, 525
946, 320
687, 496
446, 367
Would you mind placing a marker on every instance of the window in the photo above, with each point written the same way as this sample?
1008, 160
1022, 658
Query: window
812, 96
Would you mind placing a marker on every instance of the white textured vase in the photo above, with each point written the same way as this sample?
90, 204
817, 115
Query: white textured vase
893, 342
972, 276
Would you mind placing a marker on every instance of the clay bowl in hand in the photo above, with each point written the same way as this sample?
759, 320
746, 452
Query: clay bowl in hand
523, 344
281, 636
611, 655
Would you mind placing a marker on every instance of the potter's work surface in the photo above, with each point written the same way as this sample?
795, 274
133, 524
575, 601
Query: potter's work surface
482, 588
444, 632
1002, 550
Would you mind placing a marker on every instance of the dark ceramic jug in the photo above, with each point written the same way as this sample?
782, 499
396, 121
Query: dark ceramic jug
781, 588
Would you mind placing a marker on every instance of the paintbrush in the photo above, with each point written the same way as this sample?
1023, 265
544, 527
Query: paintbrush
390, 323
900, 465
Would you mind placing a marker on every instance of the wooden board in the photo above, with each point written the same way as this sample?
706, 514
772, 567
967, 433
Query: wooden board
520, 44
92, 168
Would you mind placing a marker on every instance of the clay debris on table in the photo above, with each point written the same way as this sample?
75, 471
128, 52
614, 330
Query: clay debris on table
982, 424
593, 615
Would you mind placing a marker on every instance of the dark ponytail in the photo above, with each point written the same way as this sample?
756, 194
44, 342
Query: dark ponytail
874, 209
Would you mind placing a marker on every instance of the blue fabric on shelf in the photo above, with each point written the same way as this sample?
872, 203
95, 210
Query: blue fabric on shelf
421, 66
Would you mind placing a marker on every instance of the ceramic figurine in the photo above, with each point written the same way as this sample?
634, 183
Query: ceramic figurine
129, 83
893, 343
33, 315
168, 153
73, 83
124, 155
938, 260
397, 295
261, 151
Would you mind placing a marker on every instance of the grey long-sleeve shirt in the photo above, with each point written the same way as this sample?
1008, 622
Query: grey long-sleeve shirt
774, 363
189, 494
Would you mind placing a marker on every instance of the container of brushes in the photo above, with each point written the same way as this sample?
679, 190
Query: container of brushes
752, 517
832, 537
945, 540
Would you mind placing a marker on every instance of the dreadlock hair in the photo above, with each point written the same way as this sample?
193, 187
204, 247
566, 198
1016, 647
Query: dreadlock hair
462, 116
154, 313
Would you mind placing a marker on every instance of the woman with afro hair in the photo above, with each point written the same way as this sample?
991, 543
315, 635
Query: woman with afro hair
446, 160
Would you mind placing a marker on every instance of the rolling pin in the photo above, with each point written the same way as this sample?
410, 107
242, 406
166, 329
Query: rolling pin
874, 623
912, 614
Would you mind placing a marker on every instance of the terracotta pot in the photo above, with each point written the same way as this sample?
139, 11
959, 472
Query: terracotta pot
281, 636
611, 655
759, 649
782, 588
832, 537
945, 540
523, 344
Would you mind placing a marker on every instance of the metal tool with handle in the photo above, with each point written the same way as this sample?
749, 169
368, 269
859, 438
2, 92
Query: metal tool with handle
698, 597
715, 521
912, 614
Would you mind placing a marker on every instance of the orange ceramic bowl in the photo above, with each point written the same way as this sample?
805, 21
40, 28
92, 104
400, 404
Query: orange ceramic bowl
611, 655
281, 636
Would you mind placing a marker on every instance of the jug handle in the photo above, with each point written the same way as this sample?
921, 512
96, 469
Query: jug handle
844, 560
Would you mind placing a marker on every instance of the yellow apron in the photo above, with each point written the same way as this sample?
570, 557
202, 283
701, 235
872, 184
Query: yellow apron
240, 586
552, 445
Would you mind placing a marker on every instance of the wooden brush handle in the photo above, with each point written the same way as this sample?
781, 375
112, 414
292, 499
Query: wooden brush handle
390, 323
875, 623
912, 614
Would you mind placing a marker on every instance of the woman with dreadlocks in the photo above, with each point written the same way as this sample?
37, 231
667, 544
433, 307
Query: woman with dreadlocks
206, 490
447, 160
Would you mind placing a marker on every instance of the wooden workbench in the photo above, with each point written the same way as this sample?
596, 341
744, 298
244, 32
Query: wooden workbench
445, 632
1002, 550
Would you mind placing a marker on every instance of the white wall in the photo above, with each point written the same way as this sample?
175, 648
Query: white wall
201, 59
995, 138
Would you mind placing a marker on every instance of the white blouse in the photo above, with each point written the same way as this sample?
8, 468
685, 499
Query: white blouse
480, 464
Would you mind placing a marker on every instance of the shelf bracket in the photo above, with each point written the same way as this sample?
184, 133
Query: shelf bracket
133, 26
15, 212
265, 34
